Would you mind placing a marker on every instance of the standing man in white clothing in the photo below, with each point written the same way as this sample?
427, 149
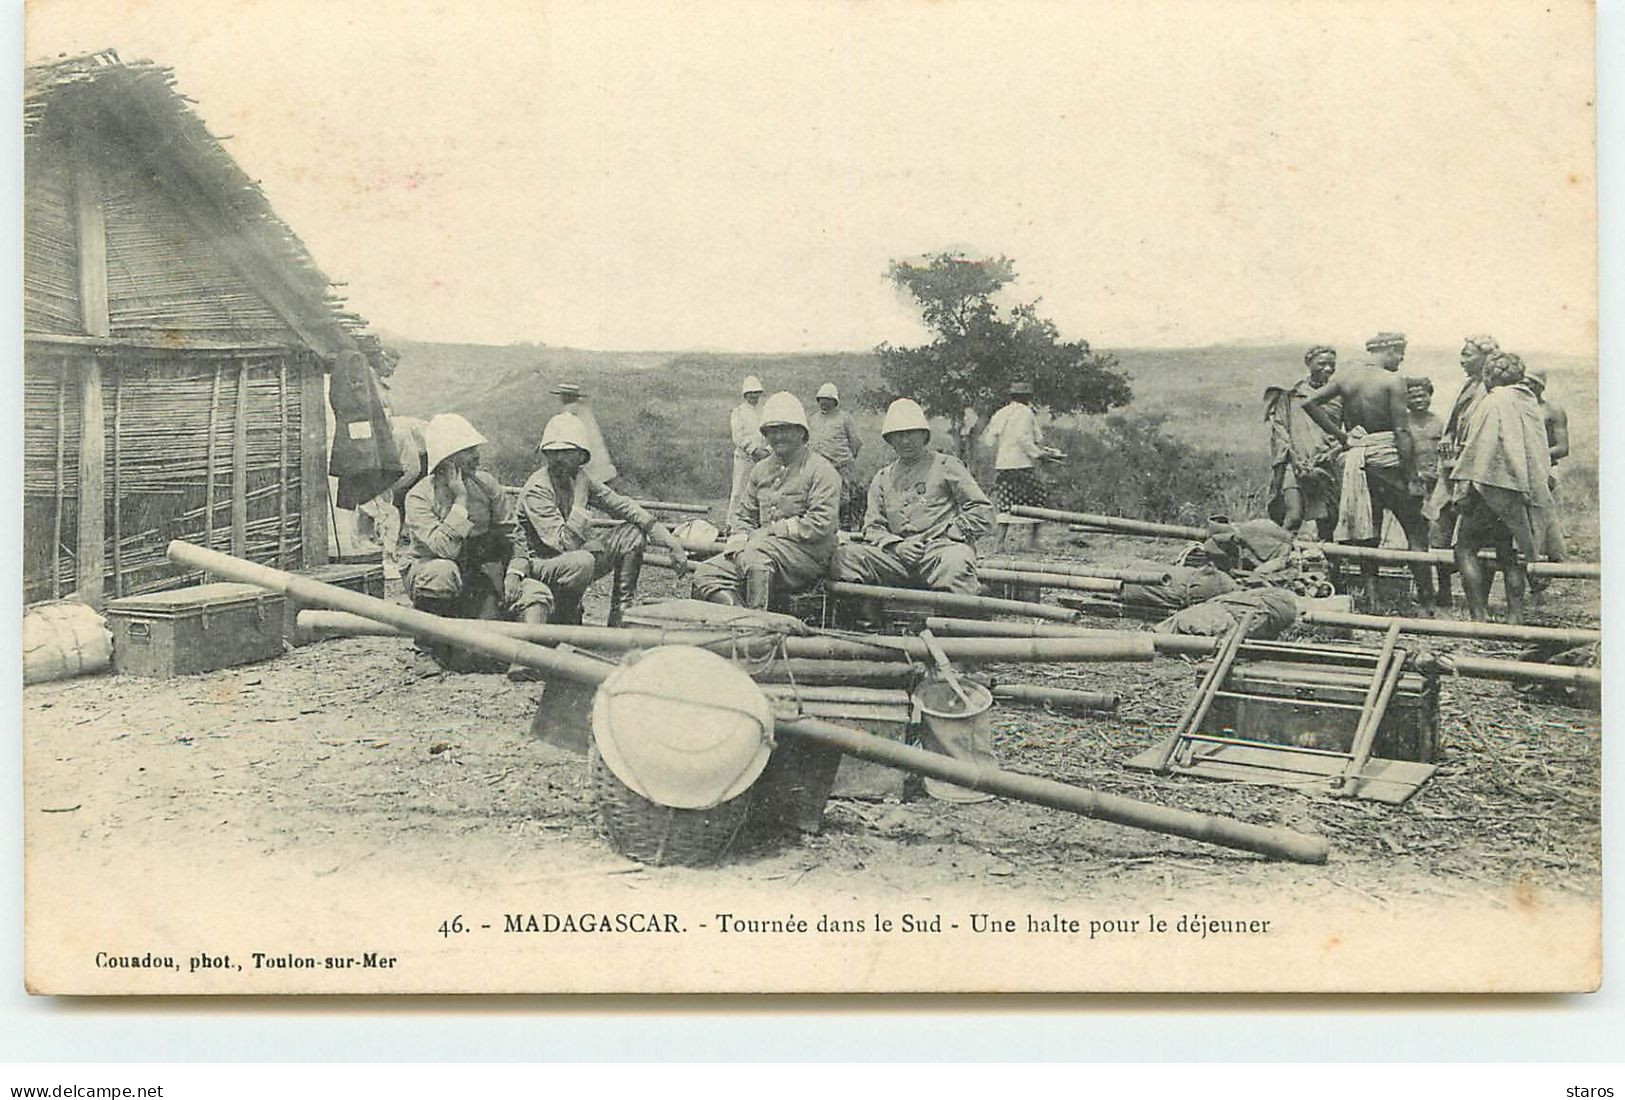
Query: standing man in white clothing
600, 467
1013, 431
744, 425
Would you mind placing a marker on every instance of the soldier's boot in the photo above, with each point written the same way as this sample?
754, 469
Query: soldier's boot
432, 657
625, 585
536, 615
758, 587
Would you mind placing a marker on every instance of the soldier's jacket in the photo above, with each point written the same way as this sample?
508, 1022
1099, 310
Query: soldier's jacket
935, 496
436, 528
800, 502
556, 525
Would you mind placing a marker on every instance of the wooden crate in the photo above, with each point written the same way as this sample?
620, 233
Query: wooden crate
368, 579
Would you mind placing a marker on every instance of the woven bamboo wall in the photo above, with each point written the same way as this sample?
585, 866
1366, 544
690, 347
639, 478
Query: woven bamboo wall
164, 277
50, 265
169, 424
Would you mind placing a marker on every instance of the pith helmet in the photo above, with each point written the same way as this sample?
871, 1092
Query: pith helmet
904, 415
565, 431
751, 384
783, 408
828, 390
447, 434
683, 727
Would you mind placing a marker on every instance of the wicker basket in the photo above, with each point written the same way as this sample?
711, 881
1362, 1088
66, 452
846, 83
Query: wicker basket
659, 835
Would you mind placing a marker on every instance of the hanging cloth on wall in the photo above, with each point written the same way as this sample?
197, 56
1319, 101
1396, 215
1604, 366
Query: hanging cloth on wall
363, 455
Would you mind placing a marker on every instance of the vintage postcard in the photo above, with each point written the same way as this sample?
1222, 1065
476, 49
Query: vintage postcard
810, 497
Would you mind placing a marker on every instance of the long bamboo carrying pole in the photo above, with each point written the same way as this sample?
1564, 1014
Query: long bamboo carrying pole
1049, 580
1126, 574
1480, 668
1059, 698
949, 601
473, 636
1184, 644
1104, 646
1452, 628
1574, 570
1223, 831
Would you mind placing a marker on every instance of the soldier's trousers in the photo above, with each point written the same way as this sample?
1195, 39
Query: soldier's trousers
943, 565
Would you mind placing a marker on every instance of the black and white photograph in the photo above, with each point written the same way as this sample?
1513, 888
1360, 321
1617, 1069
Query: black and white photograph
821, 497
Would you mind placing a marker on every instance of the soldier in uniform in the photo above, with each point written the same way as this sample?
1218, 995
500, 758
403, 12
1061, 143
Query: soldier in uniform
785, 521
925, 514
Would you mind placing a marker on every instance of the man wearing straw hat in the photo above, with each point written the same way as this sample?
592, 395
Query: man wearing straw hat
784, 524
925, 514
600, 467
744, 427
465, 553
835, 436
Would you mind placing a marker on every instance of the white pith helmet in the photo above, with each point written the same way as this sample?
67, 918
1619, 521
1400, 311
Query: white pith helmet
565, 431
828, 390
445, 435
683, 727
904, 415
783, 408
751, 384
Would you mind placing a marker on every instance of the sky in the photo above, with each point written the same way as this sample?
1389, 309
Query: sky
738, 175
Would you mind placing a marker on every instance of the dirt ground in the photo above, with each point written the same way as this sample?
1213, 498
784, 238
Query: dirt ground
346, 755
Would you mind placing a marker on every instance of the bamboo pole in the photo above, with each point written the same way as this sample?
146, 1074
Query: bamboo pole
1184, 644
1226, 832
1452, 628
239, 465
282, 462
1069, 699
1121, 524
210, 463
808, 670
839, 693
1573, 570
949, 601
1048, 580
61, 477
1527, 672
476, 638
1479, 668
1120, 647
118, 480
1126, 574
676, 506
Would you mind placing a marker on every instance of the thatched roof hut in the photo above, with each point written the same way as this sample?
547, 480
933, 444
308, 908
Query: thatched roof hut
176, 335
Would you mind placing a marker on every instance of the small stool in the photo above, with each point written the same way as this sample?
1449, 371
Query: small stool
1008, 524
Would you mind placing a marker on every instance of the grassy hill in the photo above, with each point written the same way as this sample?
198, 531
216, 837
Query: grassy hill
665, 415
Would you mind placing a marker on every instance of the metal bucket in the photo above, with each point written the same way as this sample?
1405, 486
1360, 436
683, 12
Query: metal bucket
957, 730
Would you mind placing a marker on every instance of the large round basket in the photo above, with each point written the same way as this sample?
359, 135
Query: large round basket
660, 835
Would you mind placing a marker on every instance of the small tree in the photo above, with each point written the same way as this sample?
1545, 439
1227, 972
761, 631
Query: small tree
979, 350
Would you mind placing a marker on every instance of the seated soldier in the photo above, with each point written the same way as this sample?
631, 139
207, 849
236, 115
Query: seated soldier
461, 533
925, 514
566, 552
785, 519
